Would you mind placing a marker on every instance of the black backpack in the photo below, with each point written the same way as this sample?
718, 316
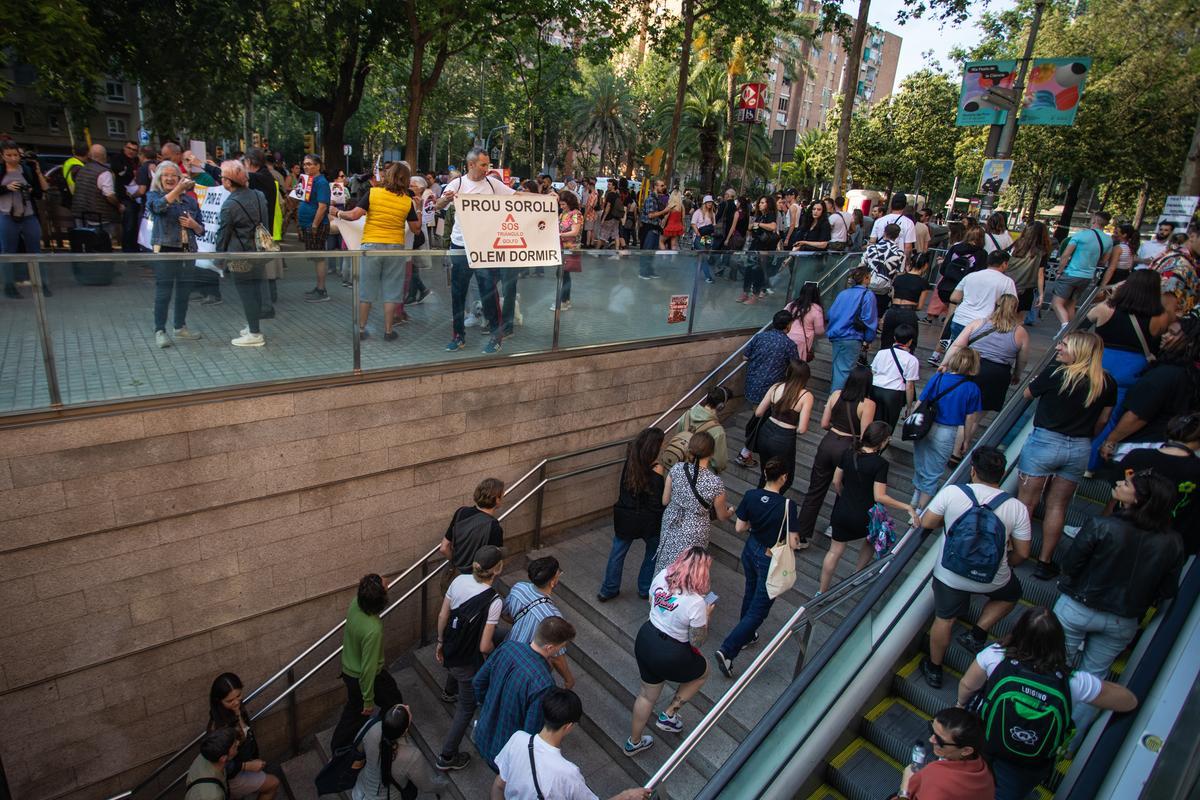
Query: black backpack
1026, 715
955, 267
460, 639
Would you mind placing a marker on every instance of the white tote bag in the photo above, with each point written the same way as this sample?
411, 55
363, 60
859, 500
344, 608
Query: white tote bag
781, 575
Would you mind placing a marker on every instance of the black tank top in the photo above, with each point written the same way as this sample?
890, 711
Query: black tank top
787, 416
1118, 333
845, 414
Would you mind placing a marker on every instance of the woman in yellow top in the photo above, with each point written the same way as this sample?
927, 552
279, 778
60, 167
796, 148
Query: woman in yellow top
390, 216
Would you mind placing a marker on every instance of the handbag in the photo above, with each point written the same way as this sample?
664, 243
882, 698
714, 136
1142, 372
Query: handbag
573, 262
881, 531
753, 428
341, 771
781, 574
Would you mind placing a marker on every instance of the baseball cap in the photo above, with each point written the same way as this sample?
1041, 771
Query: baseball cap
488, 556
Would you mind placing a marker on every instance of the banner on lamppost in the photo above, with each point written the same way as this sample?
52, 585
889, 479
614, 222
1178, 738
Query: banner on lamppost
509, 230
977, 101
1053, 88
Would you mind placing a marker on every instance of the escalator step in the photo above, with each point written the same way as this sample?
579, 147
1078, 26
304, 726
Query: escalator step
826, 792
910, 685
894, 725
864, 772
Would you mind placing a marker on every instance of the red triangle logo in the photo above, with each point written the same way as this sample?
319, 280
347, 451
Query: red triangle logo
510, 236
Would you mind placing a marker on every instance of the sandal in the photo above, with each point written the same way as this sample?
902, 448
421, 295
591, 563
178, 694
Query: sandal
746, 462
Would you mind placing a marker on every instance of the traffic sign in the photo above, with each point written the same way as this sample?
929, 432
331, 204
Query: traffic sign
347, 149
143, 136
746, 115
754, 96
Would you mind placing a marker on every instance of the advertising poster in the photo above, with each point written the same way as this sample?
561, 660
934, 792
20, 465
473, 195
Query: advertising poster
996, 172
974, 106
516, 230
677, 309
1052, 90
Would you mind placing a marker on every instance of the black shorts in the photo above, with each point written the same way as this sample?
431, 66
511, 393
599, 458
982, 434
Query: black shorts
661, 658
950, 603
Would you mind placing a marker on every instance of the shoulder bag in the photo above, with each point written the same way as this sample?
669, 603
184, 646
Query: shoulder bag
917, 424
340, 773
1141, 337
533, 770
260, 236
695, 476
781, 574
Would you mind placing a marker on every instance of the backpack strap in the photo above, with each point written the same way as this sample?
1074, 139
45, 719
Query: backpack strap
970, 493
1000, 499
200, 781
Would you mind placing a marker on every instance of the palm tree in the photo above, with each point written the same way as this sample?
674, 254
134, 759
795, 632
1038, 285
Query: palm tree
601, 113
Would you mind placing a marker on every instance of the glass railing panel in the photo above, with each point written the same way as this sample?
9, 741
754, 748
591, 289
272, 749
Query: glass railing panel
23, 385
102, 322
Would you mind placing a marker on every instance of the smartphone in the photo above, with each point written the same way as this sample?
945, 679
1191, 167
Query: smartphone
710, 598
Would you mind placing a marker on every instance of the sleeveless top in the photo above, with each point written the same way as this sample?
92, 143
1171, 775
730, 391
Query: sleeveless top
787, 416
1001, 348
1124, 257
846, 411
386, 218
1118, 333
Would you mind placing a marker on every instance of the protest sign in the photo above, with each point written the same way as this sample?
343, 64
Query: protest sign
210, 198
1179, 209
351, 231
517, 230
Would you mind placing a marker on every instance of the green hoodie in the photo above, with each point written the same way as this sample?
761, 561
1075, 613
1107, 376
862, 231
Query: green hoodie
697, 416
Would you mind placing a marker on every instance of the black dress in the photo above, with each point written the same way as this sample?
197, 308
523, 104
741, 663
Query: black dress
852, 511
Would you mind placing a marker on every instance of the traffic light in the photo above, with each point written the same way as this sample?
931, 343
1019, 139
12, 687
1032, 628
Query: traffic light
310, 142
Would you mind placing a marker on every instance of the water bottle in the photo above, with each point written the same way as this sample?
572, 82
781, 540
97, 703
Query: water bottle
920, 754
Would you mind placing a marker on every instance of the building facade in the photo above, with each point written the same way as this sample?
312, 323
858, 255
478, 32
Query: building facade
803, 81
37, 123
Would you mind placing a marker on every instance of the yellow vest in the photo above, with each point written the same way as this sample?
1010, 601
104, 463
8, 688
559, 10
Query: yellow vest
387, 217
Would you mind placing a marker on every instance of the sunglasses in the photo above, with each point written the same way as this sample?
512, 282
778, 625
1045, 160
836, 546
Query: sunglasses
940, 742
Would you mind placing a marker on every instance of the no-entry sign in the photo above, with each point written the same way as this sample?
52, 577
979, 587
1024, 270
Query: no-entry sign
515, 230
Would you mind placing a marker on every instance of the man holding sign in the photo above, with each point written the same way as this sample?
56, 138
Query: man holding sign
476, 181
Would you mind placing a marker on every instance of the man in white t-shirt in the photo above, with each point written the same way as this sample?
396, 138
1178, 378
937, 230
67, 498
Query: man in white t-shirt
532, 766
476, 181
841, 223
951, 591
977, 293
908, 229
896, 372
1153, 247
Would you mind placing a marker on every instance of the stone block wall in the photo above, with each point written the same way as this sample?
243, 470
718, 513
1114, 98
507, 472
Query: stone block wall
144, 552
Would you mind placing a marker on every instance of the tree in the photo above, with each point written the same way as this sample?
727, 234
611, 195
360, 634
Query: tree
59, 42
601, 112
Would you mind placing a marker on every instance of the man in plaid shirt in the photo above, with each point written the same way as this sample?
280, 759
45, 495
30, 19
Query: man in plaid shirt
511, 684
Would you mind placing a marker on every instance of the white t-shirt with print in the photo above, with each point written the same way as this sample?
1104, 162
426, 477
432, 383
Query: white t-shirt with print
908, 230
464, 185
884, 369
673, 613
980, 291
1085, 687
950, 503
558, 778
464, 587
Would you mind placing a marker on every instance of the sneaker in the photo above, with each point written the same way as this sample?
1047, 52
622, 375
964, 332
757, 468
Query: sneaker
161, 339
316, 296
449, 698
456, 761
672, 724
390, 336
708, 280
604, 598
455, 344
566, 305
1072, 530
470, 321
970, 642
645, 278
10, 290
210, 300
767, 291
751, 300
420, 297
493, 346
363, 334
185, 334
743, 297
645, 743
745, 461
932, 673
753, 640
804, 545
249, 340
1046, 571
724, 663
934, 359
347, 285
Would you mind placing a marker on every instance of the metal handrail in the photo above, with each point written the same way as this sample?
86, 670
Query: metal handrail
1012, 412
536, 490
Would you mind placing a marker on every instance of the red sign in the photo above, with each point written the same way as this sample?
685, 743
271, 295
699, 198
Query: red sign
754, 95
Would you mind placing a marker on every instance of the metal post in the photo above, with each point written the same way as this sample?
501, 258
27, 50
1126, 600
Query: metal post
293, 722
424, 602
804, 640
39, 307
537, 507
691, 317
746, 155
558, 282
793, 261
1009, 132
355, 272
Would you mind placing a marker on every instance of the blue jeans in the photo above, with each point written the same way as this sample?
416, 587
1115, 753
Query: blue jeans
171, 278
616, 565
1101, 634
755, 602
930, 456
699, 246
12, 231
845, 355
1031, 316
460, 284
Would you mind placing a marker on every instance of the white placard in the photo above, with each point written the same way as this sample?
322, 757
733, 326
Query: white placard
210, 198
517, 230
1179, 209
199, 150
351, 231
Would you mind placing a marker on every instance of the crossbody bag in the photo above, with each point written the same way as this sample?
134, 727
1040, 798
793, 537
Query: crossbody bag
1141, 337
712, 511
533, 770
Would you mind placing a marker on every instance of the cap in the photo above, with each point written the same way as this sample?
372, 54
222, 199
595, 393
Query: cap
488, 556
708, 198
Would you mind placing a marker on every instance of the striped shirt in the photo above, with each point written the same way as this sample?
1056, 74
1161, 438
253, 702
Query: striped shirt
509, 688
525, 597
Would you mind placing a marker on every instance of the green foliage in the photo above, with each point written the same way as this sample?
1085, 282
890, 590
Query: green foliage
601, 113
59, 42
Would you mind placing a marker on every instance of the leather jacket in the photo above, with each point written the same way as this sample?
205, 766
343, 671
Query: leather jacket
1116, 567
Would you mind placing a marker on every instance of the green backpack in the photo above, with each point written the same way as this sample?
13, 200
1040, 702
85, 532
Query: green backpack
1026, 714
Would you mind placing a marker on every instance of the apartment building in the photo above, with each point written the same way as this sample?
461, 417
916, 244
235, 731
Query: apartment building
34, 121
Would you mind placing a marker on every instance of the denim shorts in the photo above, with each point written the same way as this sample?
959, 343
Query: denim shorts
1068, 287
1047, 453
382, 277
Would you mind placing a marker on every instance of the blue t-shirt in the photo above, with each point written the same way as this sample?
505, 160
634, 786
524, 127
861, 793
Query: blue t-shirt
957, 403
1090, 246
764, 511
308, 208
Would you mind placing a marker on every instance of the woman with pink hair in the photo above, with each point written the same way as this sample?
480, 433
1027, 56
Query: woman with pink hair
668, 645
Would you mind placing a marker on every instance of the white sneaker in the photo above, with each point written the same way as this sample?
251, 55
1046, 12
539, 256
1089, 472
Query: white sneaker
161, 339
249, 340
1072, 530
470, 321
185, 334
244, 332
